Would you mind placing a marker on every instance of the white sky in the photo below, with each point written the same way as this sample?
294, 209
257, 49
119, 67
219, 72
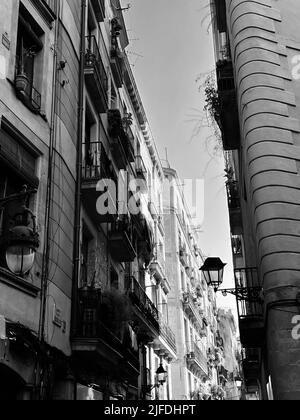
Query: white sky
172, 39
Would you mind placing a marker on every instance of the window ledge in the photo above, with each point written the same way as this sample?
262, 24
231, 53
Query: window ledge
45, 11
10, 279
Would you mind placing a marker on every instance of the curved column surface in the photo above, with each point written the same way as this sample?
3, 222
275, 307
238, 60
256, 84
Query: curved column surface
271, 146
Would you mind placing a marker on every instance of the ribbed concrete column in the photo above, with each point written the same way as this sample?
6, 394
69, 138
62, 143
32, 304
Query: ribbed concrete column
267, 106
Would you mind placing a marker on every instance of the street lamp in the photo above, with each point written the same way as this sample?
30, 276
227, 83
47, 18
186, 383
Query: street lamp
161, 378
213, 270
162, 375
21, 240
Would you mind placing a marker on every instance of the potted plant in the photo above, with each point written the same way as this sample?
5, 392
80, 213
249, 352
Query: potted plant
21, 79
115, 311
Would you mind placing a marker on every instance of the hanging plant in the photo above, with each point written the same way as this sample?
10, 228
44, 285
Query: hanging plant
115, 311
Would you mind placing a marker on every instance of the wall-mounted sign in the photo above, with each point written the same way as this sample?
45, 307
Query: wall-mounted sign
6, 41
58, 319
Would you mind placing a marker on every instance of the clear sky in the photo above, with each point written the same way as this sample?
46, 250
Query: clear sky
175, 47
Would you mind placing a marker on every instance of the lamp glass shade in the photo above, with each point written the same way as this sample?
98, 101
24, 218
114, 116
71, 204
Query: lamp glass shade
213, 271
20, 259
161, 375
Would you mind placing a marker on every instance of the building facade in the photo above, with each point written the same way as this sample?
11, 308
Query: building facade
89, 318
230, 369
34, 201
192, 304
100, 286
257, 54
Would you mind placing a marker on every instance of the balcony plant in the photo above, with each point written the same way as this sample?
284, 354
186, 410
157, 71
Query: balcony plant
218, 393
115, 311
21, 78
127, 121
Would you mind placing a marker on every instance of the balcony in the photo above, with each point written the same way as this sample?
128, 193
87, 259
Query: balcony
30, 96
167, 334
121, 140
250, 307
95, 339
121, 242
146, 314
117, 66
145, 237
140, 168
192, 308
183, 256
99, 9
196, 360
97, 167
95, 75
234, 205
158, 266
251, 369
229, 114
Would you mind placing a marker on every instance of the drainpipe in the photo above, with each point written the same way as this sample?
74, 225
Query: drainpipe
49, 193
49, 199
77, 227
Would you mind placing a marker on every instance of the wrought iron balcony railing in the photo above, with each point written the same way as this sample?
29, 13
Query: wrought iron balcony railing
121, 139
233, 195
93, 58
30, 96
91, 325
193, 308
121, 240
250, 302
96, 76
167, 333
140, 298
141, 170
96, 164
196, 356
225, 76
88, 321
249, 293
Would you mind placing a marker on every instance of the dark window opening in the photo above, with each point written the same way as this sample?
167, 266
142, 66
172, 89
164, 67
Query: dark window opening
29, 45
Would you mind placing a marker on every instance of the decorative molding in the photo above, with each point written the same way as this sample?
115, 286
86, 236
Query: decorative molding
45, 11
10, 279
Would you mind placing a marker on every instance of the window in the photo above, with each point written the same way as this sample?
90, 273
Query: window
29, 45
